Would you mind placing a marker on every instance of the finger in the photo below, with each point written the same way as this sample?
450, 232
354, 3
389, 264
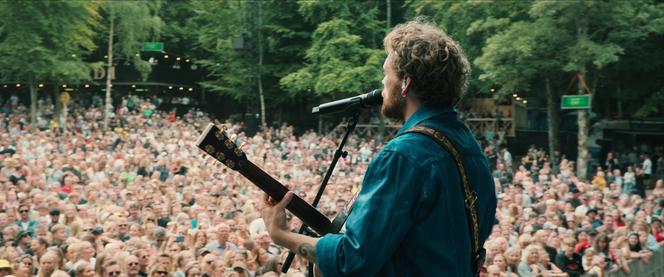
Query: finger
269, 201
284, 201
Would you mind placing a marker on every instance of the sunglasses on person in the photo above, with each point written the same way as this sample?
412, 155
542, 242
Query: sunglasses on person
114, 273
133, 264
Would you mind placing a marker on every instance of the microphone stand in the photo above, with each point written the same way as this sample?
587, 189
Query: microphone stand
337, 154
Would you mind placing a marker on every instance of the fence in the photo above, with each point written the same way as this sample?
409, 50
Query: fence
654, 268
477, 125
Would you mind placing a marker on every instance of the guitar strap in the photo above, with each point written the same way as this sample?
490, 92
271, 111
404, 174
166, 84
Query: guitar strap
469, 195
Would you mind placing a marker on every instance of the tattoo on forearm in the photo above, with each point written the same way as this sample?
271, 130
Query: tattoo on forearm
307, 251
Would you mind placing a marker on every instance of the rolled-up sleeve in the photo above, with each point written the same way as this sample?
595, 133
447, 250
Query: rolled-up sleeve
379, 221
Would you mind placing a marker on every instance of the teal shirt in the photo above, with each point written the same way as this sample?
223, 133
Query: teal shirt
409, 218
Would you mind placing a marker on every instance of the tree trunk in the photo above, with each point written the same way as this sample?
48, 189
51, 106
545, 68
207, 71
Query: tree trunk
553, 112
260, 64
108, 106
33, 101
203, 97
389, 14
582, 121
582, 116
57, 104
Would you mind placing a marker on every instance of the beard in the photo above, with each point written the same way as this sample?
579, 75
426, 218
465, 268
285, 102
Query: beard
394, 106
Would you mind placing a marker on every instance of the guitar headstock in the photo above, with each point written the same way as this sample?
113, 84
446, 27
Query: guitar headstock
216, 143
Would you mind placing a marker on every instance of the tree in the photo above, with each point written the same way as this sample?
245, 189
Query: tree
248, 46
46, 41
530, 46
221, 34
130, 24
520, 58
598, 31
340, 61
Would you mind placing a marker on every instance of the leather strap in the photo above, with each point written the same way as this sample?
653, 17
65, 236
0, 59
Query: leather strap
469, 195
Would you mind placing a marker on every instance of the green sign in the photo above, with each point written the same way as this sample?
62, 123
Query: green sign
153, 46
575, 102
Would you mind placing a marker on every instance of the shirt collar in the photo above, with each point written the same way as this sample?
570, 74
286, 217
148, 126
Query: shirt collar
424, 113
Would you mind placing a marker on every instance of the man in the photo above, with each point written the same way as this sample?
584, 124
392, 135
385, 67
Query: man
568, 261
133, 267
55, 217
22, 242
208, 264
409, 218
222, 243
123, 229
25, 222
647, 165
143, 262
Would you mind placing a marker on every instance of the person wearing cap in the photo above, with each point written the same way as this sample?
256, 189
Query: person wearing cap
25, 222
241, 269
5, 268
574, 199
54, 215
22, 242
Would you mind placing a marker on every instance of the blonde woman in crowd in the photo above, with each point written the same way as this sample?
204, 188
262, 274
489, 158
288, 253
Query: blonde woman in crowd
84, 269
530, 266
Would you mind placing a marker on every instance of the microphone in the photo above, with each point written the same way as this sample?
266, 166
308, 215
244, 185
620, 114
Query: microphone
354, 103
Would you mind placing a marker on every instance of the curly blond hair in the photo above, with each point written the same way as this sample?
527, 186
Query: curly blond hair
435, 63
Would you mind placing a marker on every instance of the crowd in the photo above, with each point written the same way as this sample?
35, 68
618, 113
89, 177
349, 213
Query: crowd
550, 223
141, 200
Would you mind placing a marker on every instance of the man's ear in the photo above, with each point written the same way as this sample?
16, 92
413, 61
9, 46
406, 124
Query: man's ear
405, 85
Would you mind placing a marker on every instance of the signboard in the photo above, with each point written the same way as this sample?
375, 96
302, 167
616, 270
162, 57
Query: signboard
153, 46
575, 102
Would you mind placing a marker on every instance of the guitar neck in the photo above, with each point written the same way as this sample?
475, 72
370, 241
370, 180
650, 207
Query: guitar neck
219, 146
298, 206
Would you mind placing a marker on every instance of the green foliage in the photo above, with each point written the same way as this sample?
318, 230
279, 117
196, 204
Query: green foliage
229, 71
135, 22
345, 56
556, 39
46, 40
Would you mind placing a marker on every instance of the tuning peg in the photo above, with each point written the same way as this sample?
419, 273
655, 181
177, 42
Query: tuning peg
233, 137
242, 144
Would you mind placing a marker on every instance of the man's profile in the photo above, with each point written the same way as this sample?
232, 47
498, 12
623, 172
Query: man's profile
410, 218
